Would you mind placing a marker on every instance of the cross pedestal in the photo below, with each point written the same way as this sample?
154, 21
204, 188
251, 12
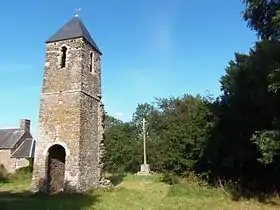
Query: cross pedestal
145, 170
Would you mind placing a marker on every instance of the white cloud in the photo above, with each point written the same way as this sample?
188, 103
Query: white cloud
118, 114
129, 118
162, 21
122, 116
162, 38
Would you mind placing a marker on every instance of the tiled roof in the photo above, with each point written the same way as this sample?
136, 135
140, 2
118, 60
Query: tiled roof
8, 137
73, 29
23, 151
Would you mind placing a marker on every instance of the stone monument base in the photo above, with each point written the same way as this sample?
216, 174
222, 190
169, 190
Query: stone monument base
145, 170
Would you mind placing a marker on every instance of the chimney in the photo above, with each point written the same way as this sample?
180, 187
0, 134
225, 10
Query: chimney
25, 125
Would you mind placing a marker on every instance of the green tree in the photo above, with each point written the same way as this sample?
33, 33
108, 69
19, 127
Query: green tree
245, 137
263, 16
122, 150
183, 130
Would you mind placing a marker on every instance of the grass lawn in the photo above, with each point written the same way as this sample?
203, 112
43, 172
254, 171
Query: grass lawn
131, 193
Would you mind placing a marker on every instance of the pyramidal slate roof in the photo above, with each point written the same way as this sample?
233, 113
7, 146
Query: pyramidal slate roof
73, 29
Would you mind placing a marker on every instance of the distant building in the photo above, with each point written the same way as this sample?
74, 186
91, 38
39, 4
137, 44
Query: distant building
16, 145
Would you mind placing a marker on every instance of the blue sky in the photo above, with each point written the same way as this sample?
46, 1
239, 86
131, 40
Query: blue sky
152, 48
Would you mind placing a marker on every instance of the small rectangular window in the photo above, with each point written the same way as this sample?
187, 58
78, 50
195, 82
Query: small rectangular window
90, 66
17, 163
63, 57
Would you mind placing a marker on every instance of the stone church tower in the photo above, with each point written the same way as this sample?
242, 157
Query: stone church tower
69, 147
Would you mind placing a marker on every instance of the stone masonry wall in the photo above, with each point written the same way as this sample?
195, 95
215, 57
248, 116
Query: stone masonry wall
10, 163
59, 123
89, 143
91, 80
90, 139
68, 78
101, 118
59, 115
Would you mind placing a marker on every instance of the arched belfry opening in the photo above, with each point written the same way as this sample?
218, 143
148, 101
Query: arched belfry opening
63, 57
91, 61
56, 168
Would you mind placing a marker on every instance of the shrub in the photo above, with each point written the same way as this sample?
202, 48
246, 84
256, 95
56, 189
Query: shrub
4, 175
23, 170
170, 179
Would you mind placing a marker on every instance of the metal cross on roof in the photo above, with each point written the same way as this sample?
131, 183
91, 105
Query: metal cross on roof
77, 12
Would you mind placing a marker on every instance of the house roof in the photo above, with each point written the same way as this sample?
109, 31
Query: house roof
26, 149
8, 137
73, 29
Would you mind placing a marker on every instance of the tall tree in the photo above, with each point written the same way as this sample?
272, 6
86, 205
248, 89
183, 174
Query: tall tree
122, 150
263, 16
248, 116
183, 131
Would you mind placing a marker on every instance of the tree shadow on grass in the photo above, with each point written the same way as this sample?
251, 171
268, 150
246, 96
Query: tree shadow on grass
5, 181
116, 178
239, 192
30, 201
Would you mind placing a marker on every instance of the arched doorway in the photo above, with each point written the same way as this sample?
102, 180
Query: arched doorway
55, 168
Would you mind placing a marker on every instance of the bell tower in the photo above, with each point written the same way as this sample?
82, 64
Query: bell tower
69, 147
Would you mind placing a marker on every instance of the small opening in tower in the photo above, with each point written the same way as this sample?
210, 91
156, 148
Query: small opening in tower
91, 57
63, 57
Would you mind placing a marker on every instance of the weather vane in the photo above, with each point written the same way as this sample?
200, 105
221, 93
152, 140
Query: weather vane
77, 12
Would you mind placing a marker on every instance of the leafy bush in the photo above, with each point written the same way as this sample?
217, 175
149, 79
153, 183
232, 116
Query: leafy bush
23, 170
170, 179
4, 175
268, 144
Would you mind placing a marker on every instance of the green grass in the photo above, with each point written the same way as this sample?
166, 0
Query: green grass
130, 193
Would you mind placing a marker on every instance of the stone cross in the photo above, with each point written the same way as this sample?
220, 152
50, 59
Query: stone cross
144, 140
77, 12
145, 168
